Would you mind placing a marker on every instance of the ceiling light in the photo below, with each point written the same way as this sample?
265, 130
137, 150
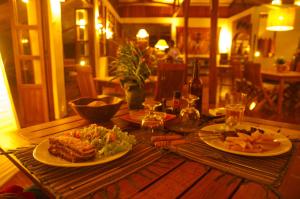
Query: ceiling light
161, 45
281, 19
276, 2
142, 34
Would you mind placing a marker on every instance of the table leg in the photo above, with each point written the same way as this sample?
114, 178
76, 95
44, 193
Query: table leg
280, 97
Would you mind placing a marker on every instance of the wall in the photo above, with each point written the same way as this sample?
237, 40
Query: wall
285, 42
176, 22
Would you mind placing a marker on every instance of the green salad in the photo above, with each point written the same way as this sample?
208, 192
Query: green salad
107, 141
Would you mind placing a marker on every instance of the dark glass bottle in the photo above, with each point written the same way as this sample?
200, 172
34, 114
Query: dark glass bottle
196, 86
176, 102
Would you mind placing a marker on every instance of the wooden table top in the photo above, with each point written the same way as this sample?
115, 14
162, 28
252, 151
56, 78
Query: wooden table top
152, 173
278, 75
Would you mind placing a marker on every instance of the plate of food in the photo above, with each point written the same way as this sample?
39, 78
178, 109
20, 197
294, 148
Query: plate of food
137, 116
246, 140
91, 145
217, 111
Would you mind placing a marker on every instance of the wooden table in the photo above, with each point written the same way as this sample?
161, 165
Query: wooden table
163, 175
282, 78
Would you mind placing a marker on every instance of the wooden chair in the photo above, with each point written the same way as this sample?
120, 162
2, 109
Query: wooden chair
170, 77
85, 82
255, 87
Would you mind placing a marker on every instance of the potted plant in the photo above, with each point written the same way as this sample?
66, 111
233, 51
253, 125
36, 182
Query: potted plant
281, 64
132, 66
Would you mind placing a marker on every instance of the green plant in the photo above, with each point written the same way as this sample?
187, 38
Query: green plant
132, 64
280, 60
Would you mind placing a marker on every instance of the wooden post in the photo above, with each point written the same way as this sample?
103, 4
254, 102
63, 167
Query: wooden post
213, 52
186, 33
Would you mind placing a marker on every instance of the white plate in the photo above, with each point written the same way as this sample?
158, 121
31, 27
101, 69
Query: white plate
285, 143
217, 111
41, 154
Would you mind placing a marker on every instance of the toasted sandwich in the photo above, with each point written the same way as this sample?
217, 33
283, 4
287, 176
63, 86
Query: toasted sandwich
71, 149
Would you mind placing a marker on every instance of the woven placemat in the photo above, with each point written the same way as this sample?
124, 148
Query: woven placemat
266, 170
79, 182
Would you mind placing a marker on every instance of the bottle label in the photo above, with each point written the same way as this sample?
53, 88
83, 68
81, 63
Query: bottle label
176, 103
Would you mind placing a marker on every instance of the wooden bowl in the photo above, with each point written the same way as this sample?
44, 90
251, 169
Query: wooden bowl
96, 109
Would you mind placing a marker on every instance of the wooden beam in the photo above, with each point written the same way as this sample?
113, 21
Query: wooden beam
179, 9
213, 52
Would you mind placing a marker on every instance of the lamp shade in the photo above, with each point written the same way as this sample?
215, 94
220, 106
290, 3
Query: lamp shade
281, 19
142, 34
161, 45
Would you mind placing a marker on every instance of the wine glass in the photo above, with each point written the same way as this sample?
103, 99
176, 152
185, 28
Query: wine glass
189, 116
153, 121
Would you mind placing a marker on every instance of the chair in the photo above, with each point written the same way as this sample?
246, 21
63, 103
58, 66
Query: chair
87, 86
85, 82
170, 77
237, 73
255, 87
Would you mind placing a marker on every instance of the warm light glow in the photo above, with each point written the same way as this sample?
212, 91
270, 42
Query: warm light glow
25, 1
82, 63
276, 2
247, 49
99, 26
297, 2
55, 9
81, 22
8, 120
281, 19
142, 34
24, 41
252, 106
81, 17
109, 33
257, 54
161, 45
224, 41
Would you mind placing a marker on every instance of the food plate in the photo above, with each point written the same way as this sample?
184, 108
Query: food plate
285, 143
137, 116
217, 111
41, 154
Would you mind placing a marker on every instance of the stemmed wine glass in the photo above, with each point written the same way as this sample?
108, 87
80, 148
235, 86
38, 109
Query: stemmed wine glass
189, 116
152, 120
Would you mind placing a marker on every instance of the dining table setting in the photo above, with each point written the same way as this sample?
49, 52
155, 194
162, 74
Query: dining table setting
154, 153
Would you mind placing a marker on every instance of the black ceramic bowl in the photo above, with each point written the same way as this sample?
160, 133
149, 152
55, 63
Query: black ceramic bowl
96, 109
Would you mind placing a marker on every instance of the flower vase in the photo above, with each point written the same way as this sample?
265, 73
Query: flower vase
135, 95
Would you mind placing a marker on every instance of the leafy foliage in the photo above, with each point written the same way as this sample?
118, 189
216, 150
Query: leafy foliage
132, 64
280, 60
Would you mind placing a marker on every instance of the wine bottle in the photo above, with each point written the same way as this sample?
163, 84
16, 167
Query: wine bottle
176, 102
196, 86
